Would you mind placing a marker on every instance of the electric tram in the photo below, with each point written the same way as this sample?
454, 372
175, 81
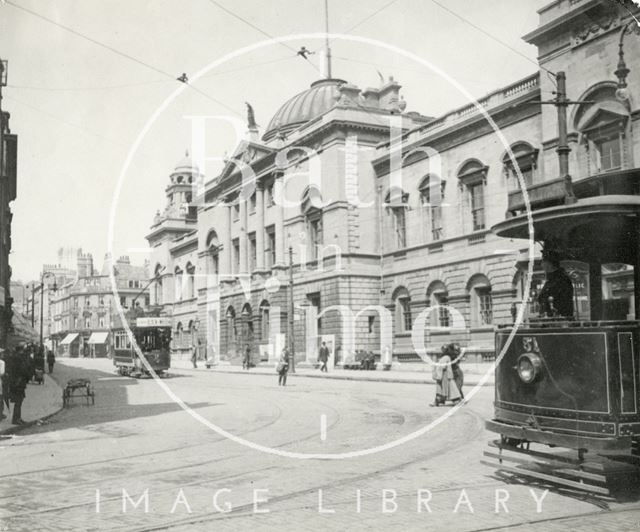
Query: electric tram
152, 336
567, 392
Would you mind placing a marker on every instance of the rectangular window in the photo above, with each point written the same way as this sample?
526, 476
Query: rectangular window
270, 247
252, 203
236, 255
101, 323
609, 151
444, 318
236, 212
399, 217
485, 306
315, 236
123, 302
477, 205
405, 308
253, 253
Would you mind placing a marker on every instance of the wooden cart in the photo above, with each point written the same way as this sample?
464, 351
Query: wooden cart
78, 388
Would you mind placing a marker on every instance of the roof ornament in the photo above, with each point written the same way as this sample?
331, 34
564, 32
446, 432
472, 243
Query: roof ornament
251, 117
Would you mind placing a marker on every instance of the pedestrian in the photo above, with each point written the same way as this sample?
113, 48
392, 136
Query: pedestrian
51, 360
454, 353
446, 388
20, 372
2, 385
283, 367
246, 359
323, 357
194, 356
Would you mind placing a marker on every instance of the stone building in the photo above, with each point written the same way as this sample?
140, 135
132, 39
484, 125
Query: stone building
386, 214
83, 309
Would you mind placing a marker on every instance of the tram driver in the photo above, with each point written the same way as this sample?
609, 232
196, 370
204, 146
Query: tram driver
556, 297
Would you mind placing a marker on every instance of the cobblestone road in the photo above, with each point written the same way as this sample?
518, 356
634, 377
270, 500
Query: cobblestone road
137, 461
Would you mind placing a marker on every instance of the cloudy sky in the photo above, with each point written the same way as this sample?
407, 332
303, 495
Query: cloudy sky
85, 76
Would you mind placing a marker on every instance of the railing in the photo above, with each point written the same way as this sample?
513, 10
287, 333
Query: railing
494, 99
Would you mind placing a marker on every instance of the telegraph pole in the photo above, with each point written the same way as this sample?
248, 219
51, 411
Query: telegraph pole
292, 347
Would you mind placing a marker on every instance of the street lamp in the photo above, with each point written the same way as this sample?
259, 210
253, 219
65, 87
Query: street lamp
54, 288
621, 72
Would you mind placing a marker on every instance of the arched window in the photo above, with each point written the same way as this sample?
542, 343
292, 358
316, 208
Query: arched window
230, 316
191, 281
604, 128
179, 334
473, 179
178, 278
526, 160
311, 207
397, 203
431, 197
403, 309
265, 325
479, 290
157, 285
438, 296
213, 249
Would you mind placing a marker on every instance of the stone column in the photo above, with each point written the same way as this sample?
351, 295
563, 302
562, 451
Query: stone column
243, 234
228, 246
280, 223
260, 227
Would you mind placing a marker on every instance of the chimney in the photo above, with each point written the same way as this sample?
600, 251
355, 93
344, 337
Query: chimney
85, 264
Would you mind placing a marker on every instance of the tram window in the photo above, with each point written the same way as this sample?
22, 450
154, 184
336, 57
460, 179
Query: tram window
617, 292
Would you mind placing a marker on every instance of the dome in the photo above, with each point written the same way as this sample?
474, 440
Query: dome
305, 106
185, 165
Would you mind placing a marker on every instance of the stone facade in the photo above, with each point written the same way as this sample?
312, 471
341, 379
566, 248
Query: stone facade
83, 309
387, 214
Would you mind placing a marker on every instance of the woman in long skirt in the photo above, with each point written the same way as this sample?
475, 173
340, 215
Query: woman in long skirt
446, 387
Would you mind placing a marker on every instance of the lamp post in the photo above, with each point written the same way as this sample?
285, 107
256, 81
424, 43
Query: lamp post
54, 288
621, 72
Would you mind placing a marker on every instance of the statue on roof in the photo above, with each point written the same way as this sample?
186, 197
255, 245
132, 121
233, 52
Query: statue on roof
251, 117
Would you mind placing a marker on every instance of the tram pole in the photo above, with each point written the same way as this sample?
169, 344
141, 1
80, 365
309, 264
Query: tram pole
292, 348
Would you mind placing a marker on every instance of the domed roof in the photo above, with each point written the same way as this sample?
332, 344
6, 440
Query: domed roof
307, 105
185, 165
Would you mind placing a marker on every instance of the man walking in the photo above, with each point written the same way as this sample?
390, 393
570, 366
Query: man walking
19, 374
323, 357
51, 360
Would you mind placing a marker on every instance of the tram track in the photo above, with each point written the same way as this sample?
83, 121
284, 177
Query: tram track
180, 468
244, 510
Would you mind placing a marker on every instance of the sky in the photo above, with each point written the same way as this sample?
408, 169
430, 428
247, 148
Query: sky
83, 85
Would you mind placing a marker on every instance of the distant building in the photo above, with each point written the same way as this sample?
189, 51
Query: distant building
83, 310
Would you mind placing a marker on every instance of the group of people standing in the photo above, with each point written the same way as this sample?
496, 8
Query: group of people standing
17, 367
448, 376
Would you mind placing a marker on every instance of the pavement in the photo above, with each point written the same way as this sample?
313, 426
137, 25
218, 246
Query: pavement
41, 402
474, 374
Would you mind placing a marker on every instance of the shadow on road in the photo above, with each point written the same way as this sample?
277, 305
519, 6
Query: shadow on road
112, 400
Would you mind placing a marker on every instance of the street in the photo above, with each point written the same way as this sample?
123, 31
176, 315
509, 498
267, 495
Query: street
136, 461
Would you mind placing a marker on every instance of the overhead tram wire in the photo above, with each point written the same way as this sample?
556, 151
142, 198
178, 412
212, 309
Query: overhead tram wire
370, 16
117, 52
145, 83
491, 36
258, 29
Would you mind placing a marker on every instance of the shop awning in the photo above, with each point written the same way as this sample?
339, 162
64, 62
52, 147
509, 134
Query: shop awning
22, 331
98, 337
69, 338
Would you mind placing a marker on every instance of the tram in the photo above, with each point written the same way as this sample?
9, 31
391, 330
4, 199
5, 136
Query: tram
567, 391
152, 336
